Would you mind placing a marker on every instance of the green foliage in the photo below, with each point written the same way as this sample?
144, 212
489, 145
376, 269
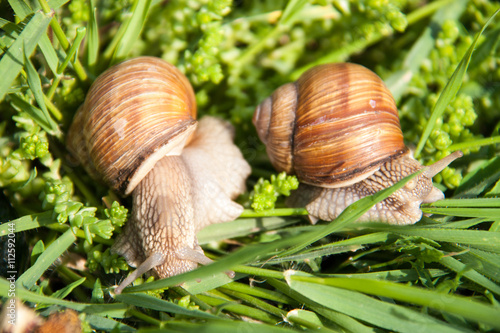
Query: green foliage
441, 274
265, 192
111, 263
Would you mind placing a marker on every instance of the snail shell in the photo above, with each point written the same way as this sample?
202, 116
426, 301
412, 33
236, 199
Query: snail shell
135, 113
332, 127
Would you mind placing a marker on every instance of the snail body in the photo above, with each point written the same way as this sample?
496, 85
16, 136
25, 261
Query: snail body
137, 131
337, 128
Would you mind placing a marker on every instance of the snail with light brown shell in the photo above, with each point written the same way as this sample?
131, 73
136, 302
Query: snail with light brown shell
137, 131
337, 128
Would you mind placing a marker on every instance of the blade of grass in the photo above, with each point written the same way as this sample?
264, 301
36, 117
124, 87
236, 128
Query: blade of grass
153, 303
241, 227
61, 37
128, 32
486, 263
27, 222
217, 326
62, 293
450, 90
478, 180
107, 324
475, 143
21, 9
47, 258
348, 323
240, 256
36, 87
459, 305
93, 38
73, 50
478, 202
224, 302
491, 213
375, 312
49, 53
35, 113
11, 62
471, 274
396, 275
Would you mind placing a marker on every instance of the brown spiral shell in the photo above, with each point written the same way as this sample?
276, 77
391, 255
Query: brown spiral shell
332, 127
135, 113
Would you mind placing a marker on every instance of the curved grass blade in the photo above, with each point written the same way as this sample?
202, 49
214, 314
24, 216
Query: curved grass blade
483, 240
450, 90
459, 305
35, 113
398, 81
11, 62
36, 87
241, 227
128, 33
47, 258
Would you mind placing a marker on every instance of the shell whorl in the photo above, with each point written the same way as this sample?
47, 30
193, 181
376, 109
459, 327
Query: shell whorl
135, 113
345, 125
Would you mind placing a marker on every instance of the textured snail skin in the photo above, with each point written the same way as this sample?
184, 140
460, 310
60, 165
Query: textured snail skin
337, 128
178, 197
402, 207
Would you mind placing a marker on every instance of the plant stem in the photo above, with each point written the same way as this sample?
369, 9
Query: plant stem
61, 37
148, 319
267, 273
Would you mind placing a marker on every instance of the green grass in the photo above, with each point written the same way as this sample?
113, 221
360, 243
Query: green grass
441, 61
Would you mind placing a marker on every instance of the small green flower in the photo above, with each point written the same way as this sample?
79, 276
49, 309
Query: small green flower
266, 192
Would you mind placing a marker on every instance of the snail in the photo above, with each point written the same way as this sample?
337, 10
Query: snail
137, 131
337, 128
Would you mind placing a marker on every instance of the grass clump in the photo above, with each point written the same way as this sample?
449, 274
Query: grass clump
440, 60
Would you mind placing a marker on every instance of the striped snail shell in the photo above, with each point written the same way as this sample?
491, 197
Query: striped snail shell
134, 114
337, 128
